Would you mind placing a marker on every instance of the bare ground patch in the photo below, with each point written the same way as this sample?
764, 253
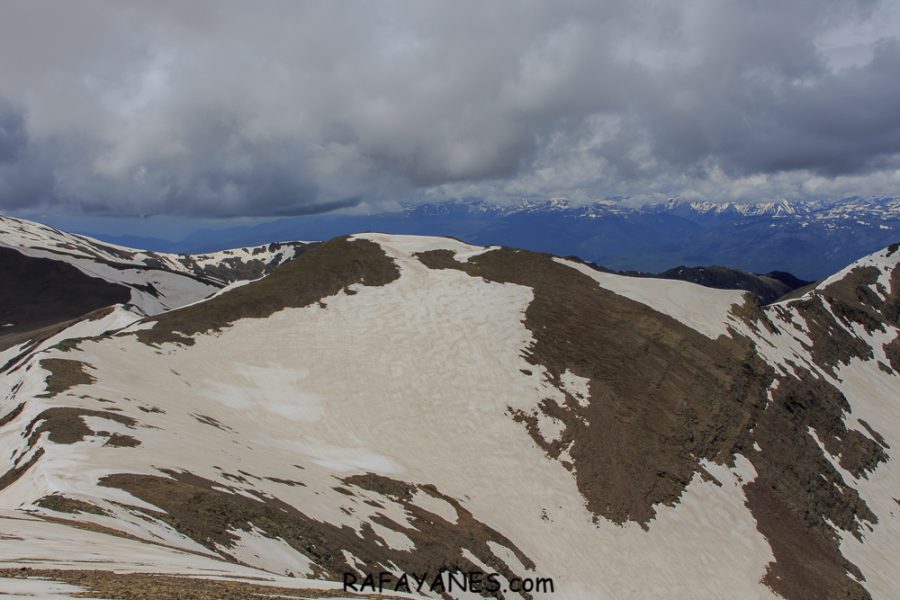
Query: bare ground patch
852, 300
663, 396
892, 351
17, 471
65, 374
202, 510
65, 424
120, 440
318, 273
212, 422
11, 415
798, 497
64, 504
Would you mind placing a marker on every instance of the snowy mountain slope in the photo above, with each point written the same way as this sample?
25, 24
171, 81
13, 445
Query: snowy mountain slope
411, 404
38, 293
156, 281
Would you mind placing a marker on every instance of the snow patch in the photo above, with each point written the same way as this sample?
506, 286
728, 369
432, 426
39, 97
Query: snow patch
440, 507
704, 309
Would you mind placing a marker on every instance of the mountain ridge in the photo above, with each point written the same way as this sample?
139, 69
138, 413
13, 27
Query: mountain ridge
419, 403
100, 274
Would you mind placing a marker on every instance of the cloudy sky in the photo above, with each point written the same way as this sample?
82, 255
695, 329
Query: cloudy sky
220, 109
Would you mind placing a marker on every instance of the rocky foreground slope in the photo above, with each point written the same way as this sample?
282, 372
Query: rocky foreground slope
412, 404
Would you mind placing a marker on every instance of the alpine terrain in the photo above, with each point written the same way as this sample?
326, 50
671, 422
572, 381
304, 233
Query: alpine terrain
49, 277
267, 422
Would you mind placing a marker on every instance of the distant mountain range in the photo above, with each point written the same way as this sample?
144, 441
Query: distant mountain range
808, 239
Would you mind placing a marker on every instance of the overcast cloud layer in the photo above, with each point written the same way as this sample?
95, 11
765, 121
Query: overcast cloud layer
278, 108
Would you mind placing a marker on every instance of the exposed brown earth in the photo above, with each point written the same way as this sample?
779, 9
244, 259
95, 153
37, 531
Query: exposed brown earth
65, 374
753, 315
120, 440
662, 397
207, 420
64, 424
17, 471
321, 272
797, 490
287, 482
439, 543
853, 301
832, 345
892, 351
874, 434
890, 310
15, 412
63, 504
201, 510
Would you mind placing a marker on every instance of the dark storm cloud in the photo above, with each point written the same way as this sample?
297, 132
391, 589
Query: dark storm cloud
832, 123
219, 108
12, 132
